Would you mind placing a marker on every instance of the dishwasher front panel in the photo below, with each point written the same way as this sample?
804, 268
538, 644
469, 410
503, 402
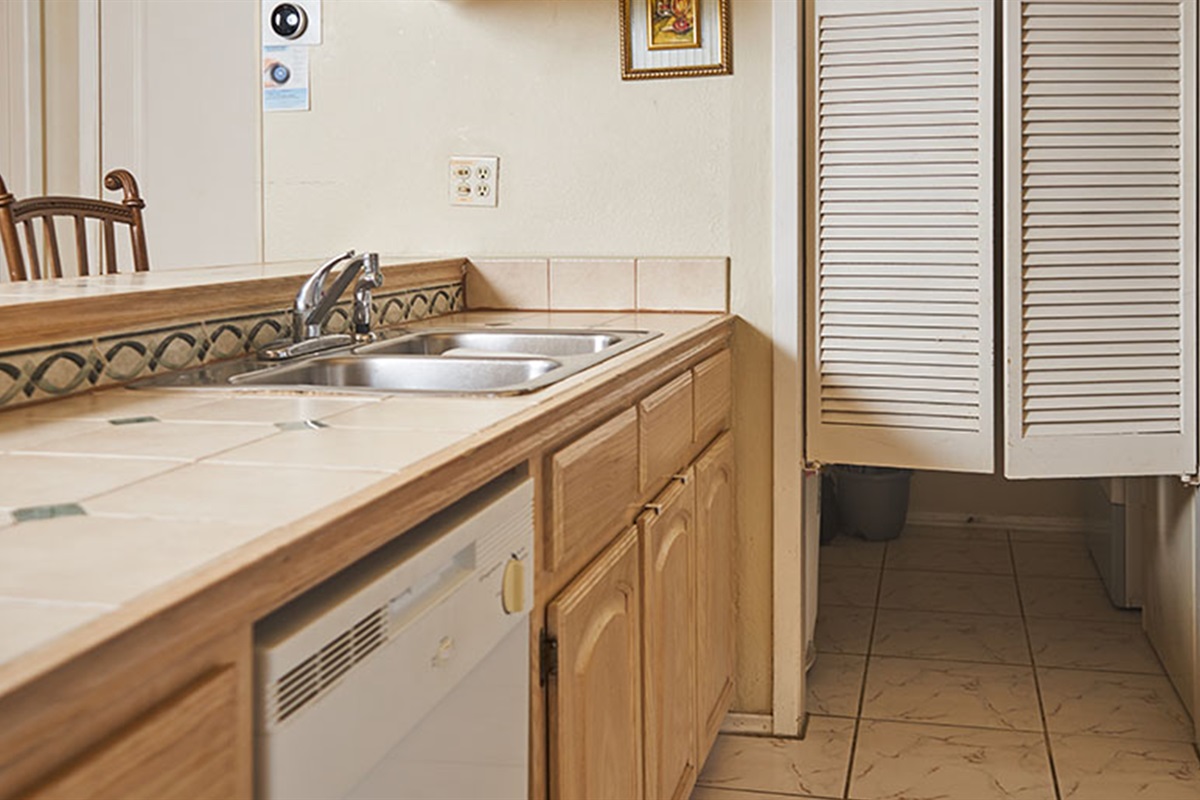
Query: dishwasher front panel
407, 676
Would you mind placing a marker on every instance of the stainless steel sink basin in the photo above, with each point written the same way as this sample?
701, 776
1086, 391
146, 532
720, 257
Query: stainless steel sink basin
546, 343
440, 360
406, 374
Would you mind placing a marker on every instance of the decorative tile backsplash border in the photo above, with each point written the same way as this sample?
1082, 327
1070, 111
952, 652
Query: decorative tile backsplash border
62, 369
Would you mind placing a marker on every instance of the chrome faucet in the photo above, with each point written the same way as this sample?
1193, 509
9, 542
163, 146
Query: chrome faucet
314, 303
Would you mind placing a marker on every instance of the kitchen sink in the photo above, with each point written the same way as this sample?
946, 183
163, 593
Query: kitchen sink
435, 360
406, 374
547, 343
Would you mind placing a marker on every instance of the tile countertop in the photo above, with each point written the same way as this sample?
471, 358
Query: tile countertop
109, 499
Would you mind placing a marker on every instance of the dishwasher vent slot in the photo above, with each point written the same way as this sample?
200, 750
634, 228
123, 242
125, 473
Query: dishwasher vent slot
313, 676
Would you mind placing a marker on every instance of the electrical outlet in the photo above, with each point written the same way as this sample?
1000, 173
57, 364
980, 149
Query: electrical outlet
474, 180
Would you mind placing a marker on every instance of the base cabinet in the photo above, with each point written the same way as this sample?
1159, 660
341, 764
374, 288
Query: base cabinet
668, 533
636, 717
715, 520
595, 695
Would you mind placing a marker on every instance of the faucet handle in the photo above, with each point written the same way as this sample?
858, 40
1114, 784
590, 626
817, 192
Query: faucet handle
370, 278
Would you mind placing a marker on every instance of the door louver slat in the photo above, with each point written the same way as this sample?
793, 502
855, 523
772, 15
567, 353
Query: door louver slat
901, 290
1100, 218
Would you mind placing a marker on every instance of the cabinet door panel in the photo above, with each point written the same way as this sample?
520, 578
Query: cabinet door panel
900, 290
665, 421
185, 749
596, 697
1100, 219
669, 583
715, 532
593, 486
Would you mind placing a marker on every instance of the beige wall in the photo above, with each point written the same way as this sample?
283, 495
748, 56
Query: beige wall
589, 165
992, 496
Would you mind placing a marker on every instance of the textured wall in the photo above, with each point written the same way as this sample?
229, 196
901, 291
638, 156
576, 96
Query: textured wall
590, 165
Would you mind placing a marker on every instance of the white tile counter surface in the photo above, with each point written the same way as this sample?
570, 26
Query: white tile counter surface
109, 498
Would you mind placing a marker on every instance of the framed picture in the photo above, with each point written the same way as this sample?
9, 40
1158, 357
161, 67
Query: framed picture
675, 38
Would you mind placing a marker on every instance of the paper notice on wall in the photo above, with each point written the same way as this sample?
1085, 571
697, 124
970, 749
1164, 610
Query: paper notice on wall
285, 78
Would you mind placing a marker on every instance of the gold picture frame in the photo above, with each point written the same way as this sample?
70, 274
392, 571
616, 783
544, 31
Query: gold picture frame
675, 38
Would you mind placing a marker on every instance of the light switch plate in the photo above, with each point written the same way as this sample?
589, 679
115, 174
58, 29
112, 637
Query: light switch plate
312, 28
474, 180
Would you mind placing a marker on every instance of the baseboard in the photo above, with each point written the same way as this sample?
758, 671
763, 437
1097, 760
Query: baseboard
1017, 522
736, 722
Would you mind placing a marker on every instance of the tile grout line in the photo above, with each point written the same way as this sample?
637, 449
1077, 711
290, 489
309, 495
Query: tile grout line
1037, 683
862, 689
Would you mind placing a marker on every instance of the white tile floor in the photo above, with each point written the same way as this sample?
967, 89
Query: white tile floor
970, 665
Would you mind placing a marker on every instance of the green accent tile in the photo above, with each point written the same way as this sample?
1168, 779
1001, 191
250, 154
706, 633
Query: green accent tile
48, 512
301, 425
132, 420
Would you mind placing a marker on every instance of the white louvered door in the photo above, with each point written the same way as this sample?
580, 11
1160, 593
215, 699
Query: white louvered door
1100, 253
900, 313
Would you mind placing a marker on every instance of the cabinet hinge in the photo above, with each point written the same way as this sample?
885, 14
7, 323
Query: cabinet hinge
547, 657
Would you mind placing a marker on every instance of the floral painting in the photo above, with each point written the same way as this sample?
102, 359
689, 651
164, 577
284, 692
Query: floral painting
673, 24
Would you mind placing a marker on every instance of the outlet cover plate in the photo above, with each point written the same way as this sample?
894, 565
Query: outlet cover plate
474, 180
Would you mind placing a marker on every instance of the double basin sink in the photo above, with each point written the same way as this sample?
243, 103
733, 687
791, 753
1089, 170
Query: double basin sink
441, 360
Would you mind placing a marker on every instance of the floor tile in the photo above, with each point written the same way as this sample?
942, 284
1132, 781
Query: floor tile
1113, 704
949, 591
713, 793
246, 493
895, 760
956, 637
36, 480
1104, 768
1071, 598
1057, 560
843, 629
1040, 535
814, 765
70, 558
948, 555
850, 551
960, 533
835, 684
1080, 644
847, 586
952, 693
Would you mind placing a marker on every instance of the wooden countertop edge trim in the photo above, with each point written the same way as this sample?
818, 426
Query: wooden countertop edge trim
42, 323
214, 598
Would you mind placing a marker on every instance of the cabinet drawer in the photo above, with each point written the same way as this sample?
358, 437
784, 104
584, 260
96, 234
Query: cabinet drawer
185, 748
665, 428
593, 488
713, 390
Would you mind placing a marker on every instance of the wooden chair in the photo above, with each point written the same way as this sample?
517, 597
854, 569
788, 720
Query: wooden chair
24, 213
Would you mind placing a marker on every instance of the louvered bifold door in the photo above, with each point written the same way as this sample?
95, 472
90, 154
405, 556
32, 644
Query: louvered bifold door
899, 286
1100, 254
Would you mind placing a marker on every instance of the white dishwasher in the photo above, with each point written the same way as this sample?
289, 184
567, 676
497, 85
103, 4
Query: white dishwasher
407, 675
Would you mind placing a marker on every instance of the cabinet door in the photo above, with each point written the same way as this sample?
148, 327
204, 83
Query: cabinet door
669, 623
900, 288
715, 531
596, 697
185, 749
1100, 216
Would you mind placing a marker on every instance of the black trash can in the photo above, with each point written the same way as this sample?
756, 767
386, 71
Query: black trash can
872, 502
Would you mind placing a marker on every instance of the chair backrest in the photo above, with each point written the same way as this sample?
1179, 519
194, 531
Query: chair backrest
18, 217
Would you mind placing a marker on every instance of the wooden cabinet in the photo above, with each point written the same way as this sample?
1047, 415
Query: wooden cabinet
677, 603
593, 487
665, 430
668, 532
185, 748
715, 524
595, 697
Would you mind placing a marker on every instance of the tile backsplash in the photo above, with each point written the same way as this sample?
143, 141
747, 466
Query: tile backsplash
618, 284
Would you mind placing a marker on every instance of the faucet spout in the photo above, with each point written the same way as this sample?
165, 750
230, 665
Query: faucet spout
310, 298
